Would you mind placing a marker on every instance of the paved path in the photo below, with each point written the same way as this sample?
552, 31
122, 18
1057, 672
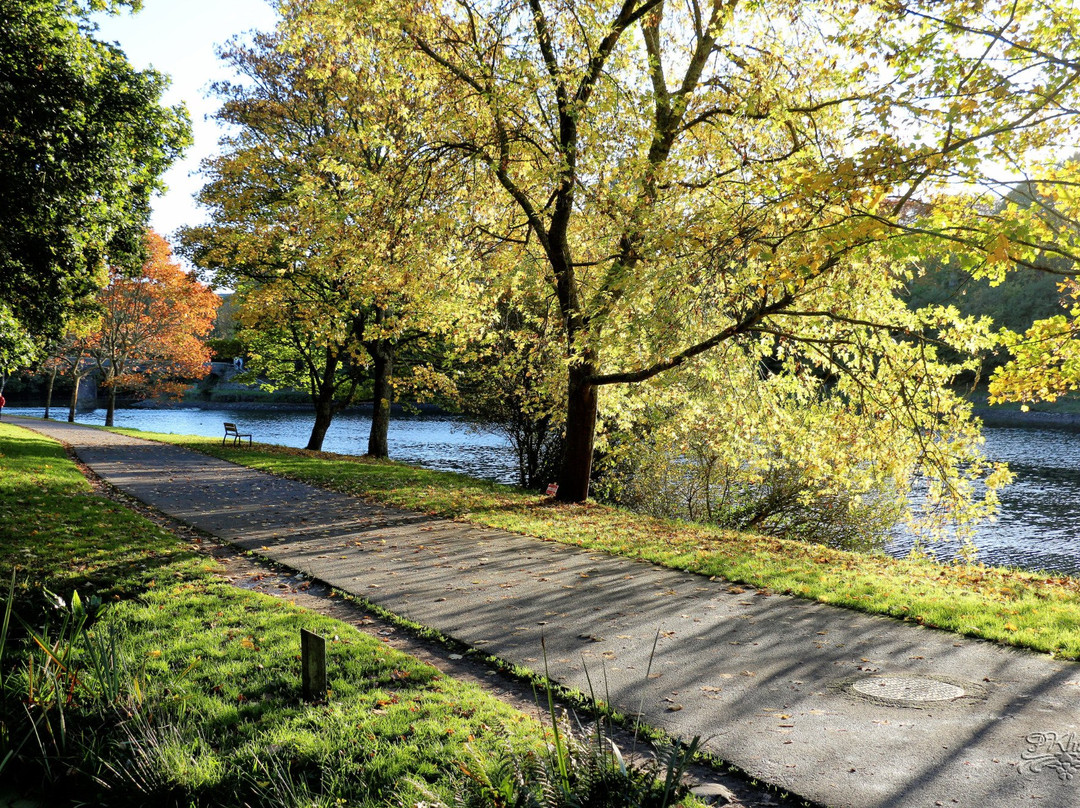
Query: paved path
842, 708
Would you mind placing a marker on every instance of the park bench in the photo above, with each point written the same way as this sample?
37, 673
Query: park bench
231, 432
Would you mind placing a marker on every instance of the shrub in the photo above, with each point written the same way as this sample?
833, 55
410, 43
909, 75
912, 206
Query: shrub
779, 498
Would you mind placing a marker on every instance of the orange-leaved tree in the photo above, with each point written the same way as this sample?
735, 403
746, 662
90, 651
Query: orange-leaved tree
153, 327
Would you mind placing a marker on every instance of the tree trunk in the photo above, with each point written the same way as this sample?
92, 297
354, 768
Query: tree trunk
77, 379
322, 396
382, 352
110, 411
580, 435
49, 391
324, 414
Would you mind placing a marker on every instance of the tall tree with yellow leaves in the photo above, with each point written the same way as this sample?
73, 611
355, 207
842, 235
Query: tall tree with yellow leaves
735, 183
328, 213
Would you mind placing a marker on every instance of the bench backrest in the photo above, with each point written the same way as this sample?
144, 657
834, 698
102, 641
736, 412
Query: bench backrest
230, 427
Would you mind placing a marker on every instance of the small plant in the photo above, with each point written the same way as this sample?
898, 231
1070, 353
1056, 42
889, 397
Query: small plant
63, 668
584, 769
148, 753
7, 751
580, 768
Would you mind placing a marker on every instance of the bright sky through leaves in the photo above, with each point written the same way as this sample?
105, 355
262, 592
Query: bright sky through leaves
180, 39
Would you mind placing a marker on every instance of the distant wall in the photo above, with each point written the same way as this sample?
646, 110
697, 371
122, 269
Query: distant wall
88, 391
223, 370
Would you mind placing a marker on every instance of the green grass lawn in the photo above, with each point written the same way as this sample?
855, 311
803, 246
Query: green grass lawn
210, 710
1041, 612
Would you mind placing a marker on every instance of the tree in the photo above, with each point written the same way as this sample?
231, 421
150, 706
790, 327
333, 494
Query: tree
85, 141
704, 181
152, 327
513, 385
16, 346
325, 216
51, 367
285, 350
70, 357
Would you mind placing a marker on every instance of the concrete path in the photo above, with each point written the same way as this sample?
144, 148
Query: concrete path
841, 708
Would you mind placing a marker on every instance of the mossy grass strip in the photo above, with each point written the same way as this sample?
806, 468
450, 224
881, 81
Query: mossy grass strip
1029, 610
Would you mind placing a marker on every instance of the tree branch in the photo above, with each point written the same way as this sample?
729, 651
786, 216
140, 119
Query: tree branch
743, 326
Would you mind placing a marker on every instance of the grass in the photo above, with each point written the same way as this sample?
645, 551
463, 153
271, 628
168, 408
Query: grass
215, 705
1029, 610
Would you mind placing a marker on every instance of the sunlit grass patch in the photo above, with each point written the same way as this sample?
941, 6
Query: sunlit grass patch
1037, 611
387, 716
211, 711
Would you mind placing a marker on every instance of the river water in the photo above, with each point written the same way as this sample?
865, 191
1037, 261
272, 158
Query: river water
1037, 527
442, 442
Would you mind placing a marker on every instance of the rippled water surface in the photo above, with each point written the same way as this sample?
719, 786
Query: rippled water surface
1038, 527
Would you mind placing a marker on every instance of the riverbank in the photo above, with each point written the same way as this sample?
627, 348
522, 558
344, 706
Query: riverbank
288, 404
1064, 412
995, 416
438, 441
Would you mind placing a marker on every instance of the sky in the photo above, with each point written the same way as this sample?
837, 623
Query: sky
179, 39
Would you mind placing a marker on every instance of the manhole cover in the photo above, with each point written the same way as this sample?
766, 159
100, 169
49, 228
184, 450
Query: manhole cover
907, 688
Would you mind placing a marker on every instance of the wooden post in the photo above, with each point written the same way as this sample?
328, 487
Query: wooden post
313, 665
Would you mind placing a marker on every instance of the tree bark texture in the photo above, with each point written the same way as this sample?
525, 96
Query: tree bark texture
382, 354
324, 414
581, 409
76, 381
49, 391
110, 412
322, 397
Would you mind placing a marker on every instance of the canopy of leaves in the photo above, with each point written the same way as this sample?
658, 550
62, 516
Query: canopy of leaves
153, 326
16, 346
84, 140
326, 210
755, 182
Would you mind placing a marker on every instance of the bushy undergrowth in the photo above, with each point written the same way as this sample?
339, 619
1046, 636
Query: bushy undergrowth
583, 770
777, 499
161, 684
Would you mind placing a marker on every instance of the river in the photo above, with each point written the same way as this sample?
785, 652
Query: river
442, 442
1037, 527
